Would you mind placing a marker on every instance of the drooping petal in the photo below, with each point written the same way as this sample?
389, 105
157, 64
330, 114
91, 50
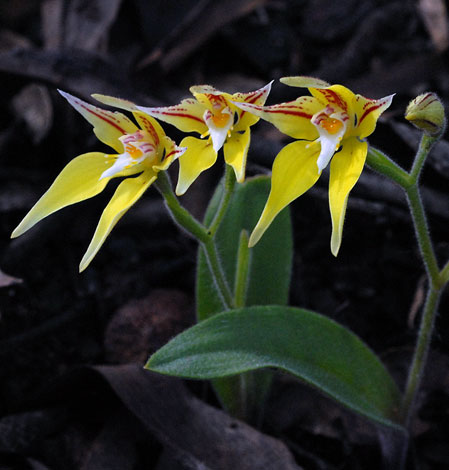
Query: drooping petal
257, 97
126, 194
78, 181
187, 116
345, 169
368, 112
292, 118
235, 152
219, 125
199, 156
294, 172
304, 82
172, 152
331, 128
108, 126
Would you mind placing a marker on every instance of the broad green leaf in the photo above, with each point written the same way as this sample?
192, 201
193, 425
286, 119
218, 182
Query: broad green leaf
271, 258
269, 280
306, 344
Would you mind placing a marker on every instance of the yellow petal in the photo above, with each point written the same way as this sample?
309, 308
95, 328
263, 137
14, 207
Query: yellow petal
149, 124
127, 193
78, 181
294, 172
257, 97
203, 94
235, 152
304, 82
187, 116
199, 156
145, 121
292, 118
337, 95
108, 126
115, 102
172, 152
368, 112
345, 169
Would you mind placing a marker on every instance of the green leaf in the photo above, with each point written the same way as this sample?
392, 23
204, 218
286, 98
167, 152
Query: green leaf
268, 280
271, 258
306, 344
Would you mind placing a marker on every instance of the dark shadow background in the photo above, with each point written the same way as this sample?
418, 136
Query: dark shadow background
139, 290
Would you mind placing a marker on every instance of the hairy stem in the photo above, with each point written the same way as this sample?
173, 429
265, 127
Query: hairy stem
199, 232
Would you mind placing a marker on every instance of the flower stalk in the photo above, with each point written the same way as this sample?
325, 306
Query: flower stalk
229, 183
200, 233
436, 279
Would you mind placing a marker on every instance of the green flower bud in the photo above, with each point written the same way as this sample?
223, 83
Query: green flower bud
426, 112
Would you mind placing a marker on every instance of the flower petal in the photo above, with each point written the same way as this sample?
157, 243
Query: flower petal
199, 156
329, 138
126, 194
78, 181
108, 126
337, 95
145, 121
172, 153
292, 118
304, 82
294, 172
187, 116
235, 152
345, 169
219, 133
115, 102
257, 97
368, 112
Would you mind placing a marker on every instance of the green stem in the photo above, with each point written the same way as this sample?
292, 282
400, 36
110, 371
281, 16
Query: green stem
213, 261
199, 232
182, 216
379, 162
420, 354
229, 183
425, 145
242, 269
422, 234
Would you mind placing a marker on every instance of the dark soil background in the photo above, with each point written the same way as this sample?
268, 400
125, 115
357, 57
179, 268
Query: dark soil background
61, 410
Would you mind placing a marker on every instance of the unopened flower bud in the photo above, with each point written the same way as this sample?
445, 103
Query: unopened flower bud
426, 112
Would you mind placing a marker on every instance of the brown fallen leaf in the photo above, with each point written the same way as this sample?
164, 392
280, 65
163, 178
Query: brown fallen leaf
199, 436
142, 326
434, 15
33, 105
204, 21
87, 23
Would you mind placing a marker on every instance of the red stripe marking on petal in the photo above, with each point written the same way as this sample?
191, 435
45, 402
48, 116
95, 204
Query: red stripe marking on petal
370, 110
189, 116
150, 129
333, 97
287, 111
109, 119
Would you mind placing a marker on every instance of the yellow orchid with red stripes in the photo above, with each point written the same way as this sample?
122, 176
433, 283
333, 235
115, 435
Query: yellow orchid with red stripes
330, 126
142, 150
216, 117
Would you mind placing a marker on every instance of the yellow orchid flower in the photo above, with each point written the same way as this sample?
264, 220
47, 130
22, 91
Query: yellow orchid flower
141, 151
331, 126
212, 114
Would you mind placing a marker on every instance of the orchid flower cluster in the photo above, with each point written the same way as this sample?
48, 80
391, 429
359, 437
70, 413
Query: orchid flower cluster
249, 327
330, 127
